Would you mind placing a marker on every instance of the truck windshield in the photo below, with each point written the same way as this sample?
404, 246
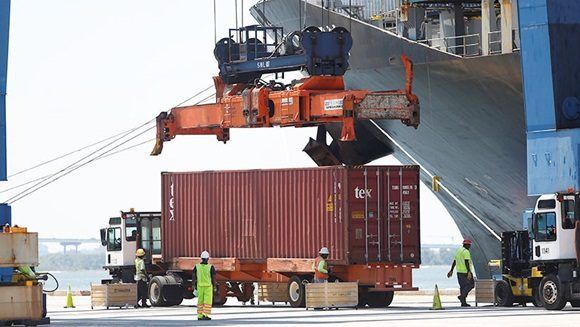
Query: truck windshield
545, 227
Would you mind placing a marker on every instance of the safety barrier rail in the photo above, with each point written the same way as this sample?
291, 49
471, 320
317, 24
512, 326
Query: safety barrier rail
463, 45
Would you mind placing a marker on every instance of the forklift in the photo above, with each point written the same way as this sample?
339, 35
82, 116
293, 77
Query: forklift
519, 279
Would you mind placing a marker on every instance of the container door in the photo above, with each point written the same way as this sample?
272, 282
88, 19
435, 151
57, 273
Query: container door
365, 210
401, 237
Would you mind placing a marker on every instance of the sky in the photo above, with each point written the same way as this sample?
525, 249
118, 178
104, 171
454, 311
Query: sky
81, 71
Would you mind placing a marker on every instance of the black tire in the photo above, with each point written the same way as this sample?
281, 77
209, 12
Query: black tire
363, 296
552, 293
297, 292
220, 295
536, 299
164, 291
155, 292
340, 30
175, 301
575, 303
380, 299
312, 29
219, 301
503, 294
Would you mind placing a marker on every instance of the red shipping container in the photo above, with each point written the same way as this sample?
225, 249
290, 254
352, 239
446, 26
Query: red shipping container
362, 214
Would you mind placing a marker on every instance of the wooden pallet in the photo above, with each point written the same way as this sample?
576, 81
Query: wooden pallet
113, 295
485, 291
273, 292
331, 295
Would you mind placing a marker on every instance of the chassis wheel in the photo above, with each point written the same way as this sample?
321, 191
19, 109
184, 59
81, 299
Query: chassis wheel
165, 291
503, 294
220, 297
363, 296
552, 293
156, 292
575, 303
380, 299
297, 291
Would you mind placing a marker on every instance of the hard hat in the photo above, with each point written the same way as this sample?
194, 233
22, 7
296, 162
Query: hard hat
324, 250
140, 253
466, 242
205, 255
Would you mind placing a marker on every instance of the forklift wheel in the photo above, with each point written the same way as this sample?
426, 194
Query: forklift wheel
503, 294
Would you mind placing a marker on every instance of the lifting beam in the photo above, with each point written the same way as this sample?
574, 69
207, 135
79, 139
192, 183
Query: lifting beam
312, 101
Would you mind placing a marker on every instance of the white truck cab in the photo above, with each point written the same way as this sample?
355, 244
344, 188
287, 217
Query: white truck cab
553, 227
556, 249
124, 235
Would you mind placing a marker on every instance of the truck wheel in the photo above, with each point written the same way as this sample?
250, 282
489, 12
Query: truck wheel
552, 293
536, 299
503, 294
363, 296
165, 291
297, 292
220, 297
174, 301
575, 303
380, 299
156, 292
246, 292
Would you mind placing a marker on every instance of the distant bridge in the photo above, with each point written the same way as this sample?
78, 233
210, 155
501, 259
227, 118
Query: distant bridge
66, 242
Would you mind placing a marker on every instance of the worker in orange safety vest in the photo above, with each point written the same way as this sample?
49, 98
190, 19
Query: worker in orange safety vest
321, 270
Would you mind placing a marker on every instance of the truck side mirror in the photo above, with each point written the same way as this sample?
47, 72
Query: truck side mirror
103, 236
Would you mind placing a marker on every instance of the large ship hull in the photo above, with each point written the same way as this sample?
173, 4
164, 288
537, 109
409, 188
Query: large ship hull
472, 131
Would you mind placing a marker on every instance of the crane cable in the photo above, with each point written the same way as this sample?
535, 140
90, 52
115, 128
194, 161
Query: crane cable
214, 22
350, 16
236, 11
103, 157
76, 165
97, 142
20, 195
64, 155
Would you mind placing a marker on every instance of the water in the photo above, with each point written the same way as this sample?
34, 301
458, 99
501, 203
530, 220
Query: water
79, 280
425, 278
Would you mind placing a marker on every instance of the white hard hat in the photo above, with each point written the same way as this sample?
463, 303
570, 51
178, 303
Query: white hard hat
205, 255
324, 250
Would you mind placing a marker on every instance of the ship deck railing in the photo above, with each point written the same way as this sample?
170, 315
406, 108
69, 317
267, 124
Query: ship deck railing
463, 45
495, 42
469, 45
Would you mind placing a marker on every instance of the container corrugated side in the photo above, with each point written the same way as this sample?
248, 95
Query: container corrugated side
254, 214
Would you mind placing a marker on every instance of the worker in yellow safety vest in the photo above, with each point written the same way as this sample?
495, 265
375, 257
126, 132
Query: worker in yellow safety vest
141, 278
204, 282
321, 270
462, 261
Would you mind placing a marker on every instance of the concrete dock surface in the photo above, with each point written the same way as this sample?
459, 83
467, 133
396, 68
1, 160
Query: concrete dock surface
405, 310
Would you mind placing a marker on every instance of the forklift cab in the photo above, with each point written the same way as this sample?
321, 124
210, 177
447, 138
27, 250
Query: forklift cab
553, 226
131, 231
